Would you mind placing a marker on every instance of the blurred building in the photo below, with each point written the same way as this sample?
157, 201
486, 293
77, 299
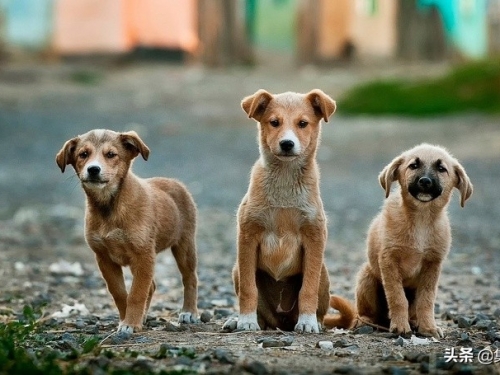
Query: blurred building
219, 32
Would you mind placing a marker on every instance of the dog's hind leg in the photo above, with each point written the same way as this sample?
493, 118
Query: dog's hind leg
152, 289
367, 298
185, 255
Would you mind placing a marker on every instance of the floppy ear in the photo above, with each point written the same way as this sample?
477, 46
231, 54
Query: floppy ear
67, 154
255, 105
463, 183
390, 174
132, 142
323, 105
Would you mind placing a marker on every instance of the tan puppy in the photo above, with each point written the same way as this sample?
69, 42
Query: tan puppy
408, 241
128, 220
280, 277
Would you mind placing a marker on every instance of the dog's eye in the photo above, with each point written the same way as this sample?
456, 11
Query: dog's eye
303, 124
110, 155
413, 166
274, 123
83, 155
441, 169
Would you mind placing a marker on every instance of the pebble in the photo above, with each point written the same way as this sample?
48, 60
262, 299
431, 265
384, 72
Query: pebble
399, 341
325, 345
273, 342
223, 356
342, 343
206, 316
256, 368
363, 330
464, 340
463, 322
120, 337
496, 313
484, 324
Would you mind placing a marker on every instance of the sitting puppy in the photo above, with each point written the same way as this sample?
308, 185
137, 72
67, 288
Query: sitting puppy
128, 220
408, 241
280, 277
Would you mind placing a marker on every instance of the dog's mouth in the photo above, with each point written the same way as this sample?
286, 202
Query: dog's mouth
427, 193
95, 182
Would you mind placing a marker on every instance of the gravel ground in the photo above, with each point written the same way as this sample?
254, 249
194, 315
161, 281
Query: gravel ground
191, 120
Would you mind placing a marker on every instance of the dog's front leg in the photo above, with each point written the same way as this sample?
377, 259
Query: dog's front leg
314, 240
425, 298
113, 276
142, 278
248, 293
392, 283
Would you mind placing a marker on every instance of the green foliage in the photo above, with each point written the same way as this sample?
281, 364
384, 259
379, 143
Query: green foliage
471, 87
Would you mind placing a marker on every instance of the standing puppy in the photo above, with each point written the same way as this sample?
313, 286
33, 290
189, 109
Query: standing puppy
409, 239
280, 277
128, 220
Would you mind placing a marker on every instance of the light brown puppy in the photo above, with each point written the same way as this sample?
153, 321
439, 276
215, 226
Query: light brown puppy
128, 220
408, 241
280, 276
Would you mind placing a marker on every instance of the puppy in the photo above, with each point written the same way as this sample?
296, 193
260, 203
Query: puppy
128, 220
280, 277
408, 241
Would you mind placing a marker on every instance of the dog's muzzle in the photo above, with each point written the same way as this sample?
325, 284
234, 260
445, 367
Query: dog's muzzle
93, 175
425, 188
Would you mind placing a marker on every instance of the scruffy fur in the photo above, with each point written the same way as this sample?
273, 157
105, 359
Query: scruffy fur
408, 241
280, 276
128, 220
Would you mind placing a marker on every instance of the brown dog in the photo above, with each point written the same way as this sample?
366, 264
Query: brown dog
128, 220
280, 276
408, 241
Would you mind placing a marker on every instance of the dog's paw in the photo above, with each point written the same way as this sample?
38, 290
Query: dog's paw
307, 323
127, 328
400, 326
248, 322
435, 332
187, 317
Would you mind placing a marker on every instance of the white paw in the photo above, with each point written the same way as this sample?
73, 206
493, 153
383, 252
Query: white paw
248, 322
187, 318
308, 323
125, 328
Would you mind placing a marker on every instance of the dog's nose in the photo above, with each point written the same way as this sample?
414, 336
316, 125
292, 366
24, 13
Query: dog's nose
93, 170
425, 182
286, 145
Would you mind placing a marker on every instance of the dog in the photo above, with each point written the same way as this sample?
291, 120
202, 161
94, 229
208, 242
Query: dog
128, 220
280, 277
408, 241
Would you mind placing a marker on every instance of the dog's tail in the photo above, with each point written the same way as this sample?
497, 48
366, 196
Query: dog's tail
346, 317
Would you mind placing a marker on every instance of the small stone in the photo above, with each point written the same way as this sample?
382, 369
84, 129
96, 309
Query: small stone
120, 337
448, 315
272, 342
223, 356
346, 369
463, 322
464, 340
484, 324
342, 343
256, 368
496, 313
363, 330
352, 349
205, 316
479, 317
325, 345
399, 341
169, 327
230, 325
437, 308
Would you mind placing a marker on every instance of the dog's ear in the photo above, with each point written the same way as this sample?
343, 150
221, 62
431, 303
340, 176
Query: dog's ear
390, 174
67, 154
323, 105
463, 183
132, 142
255, 105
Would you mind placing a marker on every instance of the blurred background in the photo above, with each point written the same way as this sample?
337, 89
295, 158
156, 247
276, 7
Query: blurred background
402, 72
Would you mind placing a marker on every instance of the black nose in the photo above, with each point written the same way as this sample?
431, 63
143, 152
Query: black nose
425, 182
94, 170
286, 145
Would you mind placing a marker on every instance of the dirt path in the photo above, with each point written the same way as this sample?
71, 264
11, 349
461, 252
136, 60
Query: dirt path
191, 120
